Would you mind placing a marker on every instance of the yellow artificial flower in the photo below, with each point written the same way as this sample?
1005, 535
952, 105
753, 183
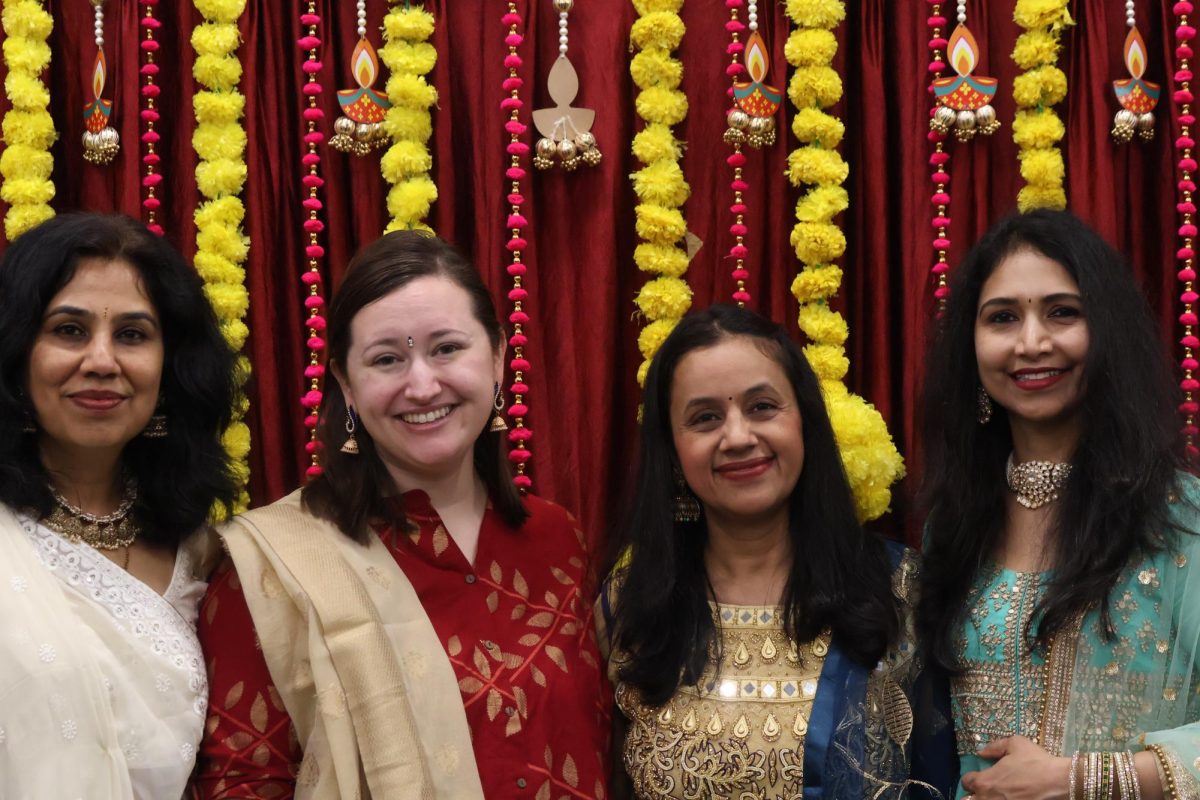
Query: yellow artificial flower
215, 38
26, 191
229, 300
1042, 86
21, 218
221, 10
1042, 13
32, 128
17, 157
214, 142
644, 7
219, 73
26, 91
818, 282
223, 176
819, 86
213, 268
417, 58
228, 211
661, 183
655, 68
404, 159
224, 241
1035, 48
412, 91
657, 104
655, 142
823, 325
1043, 167
408, 123
26, 55
809, 47
642, 370
661, 258
218, 107
817, 242
659, 224
662, 30
815, 165
410, 24
816, 13
828, 361
814, 126
869, 455
408, 201
652, 336
822, 203
1034, 129
664, 298
25, 19
1034, 196
235, 332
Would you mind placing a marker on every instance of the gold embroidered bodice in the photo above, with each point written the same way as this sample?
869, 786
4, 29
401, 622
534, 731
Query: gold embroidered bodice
739, 732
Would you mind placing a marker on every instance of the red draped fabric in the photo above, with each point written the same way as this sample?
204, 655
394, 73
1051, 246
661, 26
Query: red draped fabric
583, 394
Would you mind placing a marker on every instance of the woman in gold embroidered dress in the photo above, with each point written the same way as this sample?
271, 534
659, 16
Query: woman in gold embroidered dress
1062, 570
761, 641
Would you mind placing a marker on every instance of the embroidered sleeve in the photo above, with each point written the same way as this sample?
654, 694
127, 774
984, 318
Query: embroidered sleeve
249, 748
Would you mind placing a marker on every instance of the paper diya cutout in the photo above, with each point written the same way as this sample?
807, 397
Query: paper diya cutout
566, 130
964, 100
101, 143
751, 120
1136, 96
359, 130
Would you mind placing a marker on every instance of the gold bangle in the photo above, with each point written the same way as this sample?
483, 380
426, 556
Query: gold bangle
1072, 779
1162, 761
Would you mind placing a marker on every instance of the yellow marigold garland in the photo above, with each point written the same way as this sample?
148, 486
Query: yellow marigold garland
871, 460
221, 247
1037, 129
659, 185
409, 57
26, 163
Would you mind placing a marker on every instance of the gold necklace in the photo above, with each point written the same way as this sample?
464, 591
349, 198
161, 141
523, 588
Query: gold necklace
1036, 483
108, 532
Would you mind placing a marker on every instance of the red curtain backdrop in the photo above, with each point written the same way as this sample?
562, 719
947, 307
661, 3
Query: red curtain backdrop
583, 280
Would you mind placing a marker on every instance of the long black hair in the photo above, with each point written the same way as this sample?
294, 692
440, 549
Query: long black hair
1113, 506
179, 477
839, 576
354, 488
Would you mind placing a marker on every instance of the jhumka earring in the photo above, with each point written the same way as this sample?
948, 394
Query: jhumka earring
686, 506
1136, 96
498, 424
350, 446
983, 406
156, 428
101, 143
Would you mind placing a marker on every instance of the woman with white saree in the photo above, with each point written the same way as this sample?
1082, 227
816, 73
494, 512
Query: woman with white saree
116, 386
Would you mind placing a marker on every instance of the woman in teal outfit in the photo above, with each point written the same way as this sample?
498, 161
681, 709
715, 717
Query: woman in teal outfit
1062, 570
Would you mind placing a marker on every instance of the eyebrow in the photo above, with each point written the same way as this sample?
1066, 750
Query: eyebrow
1012, 301
756, 388
128, 316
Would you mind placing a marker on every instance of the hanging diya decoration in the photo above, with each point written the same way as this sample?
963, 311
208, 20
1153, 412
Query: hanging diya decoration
101, 142
359, 129
751, 121
566, 130
1136, 96
964, 100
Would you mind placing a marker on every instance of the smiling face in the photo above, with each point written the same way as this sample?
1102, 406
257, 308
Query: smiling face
737, 431
1031, 340
425, 405
96, 364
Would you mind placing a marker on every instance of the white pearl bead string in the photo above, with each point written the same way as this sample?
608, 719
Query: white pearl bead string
752, 15
99, 27
1130, 20
361, 9
962, 12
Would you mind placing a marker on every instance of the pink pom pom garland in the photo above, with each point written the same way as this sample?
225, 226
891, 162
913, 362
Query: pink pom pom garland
516, 223
737, 160
149, 115
1184, 144
939, 162
311, 180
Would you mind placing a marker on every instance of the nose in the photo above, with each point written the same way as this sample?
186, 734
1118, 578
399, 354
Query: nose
422, 384
1033, 338
100, 358
738, 434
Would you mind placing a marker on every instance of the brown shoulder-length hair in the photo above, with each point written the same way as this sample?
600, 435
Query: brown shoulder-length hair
353, 489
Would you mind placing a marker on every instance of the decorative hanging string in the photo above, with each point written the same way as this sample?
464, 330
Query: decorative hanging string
1137, 97
151, 177
221, 247
738, 121
870, 458
26, 163
1037, 129
409, 57
659, 184
314, 253
939, 160
101, 142
1185, 33
517, 151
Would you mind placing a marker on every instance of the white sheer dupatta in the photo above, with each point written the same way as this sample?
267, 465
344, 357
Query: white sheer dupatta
102, 685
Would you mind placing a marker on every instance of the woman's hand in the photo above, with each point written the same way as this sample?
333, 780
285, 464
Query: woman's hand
1023, 771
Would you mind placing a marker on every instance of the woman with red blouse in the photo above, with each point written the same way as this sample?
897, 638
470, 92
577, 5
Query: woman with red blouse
407, 625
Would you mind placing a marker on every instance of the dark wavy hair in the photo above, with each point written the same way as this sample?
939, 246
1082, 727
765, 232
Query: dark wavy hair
180, 477
354, 488
1114, 504
840, 576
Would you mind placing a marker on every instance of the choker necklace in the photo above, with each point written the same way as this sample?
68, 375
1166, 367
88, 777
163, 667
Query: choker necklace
109, 532
1036, 483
